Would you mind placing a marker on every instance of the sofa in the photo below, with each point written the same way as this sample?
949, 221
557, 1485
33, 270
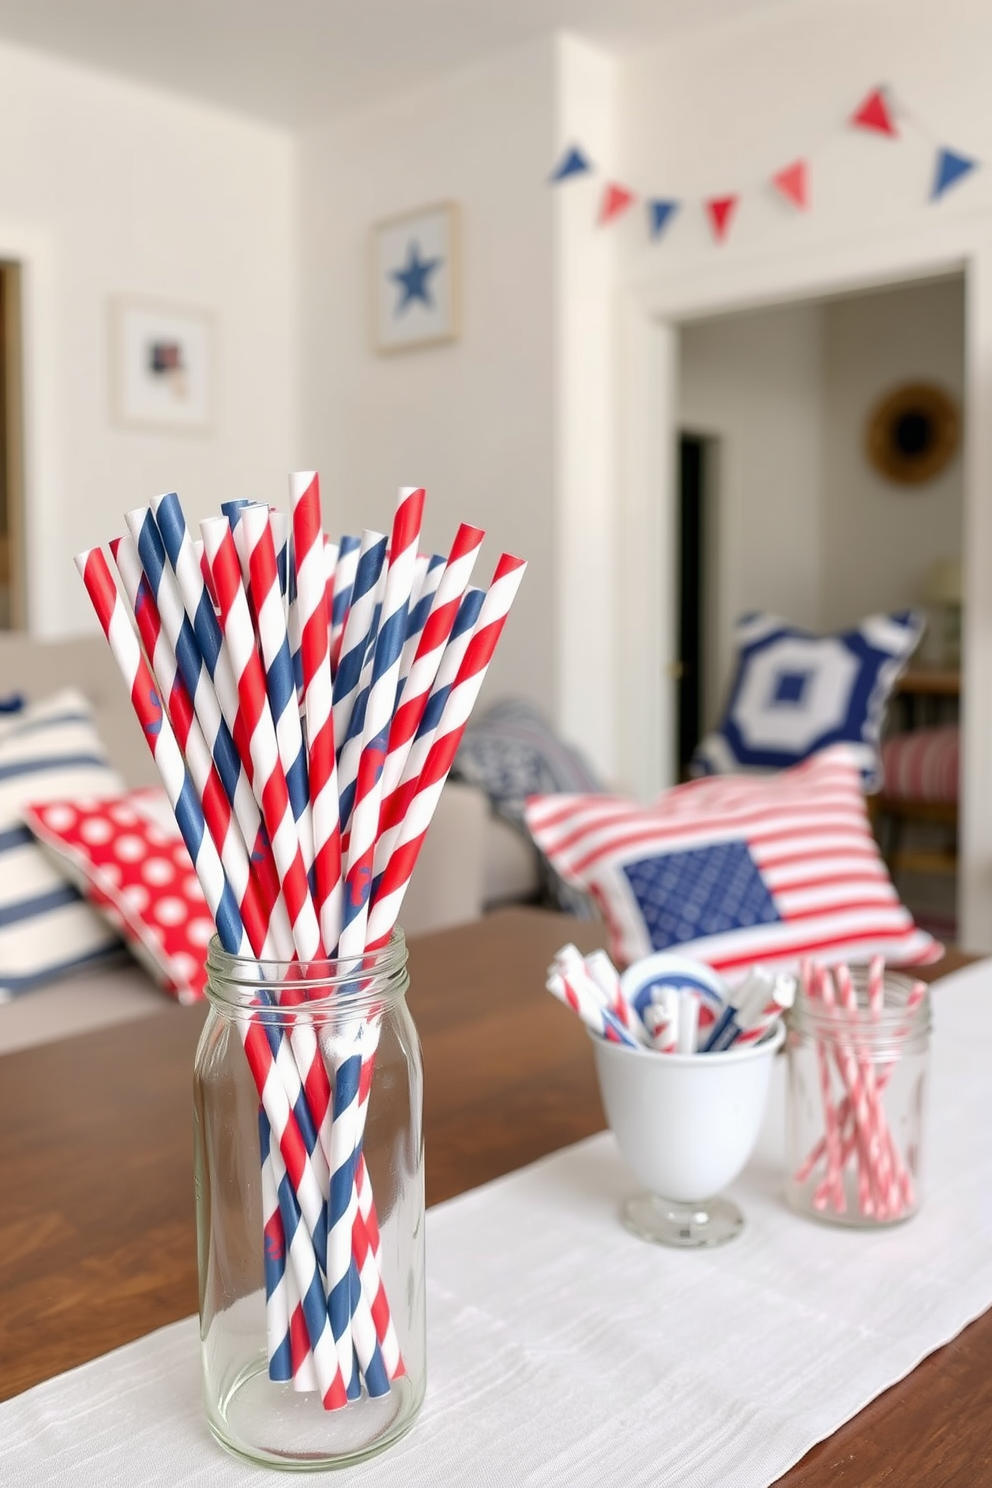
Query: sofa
471, 860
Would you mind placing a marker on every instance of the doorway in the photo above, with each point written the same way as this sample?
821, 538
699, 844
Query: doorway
13, 606
696, 458
802, 523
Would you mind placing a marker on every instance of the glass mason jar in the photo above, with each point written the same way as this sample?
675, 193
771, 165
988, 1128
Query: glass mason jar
856, 1104
308, 1093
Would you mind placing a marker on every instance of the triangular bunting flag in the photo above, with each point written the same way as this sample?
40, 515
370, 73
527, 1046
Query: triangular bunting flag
615, 201
950, 168
875, 113
721, 209
793, 183
572, 163
660, 214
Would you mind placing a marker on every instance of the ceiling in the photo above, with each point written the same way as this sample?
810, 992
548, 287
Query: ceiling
292, 62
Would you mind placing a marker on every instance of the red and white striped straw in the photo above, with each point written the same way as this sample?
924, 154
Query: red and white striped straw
380, 710
175, 698
313, 621
428, 653
265, 769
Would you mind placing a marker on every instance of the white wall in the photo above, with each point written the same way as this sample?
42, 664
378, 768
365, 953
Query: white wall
109, 189
880, 538
754, 383
472, 421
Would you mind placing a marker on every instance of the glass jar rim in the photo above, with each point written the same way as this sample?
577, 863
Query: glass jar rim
894, 1024
372, 977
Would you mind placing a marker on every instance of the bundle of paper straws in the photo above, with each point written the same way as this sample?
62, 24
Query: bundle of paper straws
665, 1018
304, 700
856, 1131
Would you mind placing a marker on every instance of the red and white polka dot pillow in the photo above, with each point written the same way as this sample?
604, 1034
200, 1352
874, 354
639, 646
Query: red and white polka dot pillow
125, 855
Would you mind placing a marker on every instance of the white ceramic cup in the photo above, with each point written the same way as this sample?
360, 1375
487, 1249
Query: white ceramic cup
686, 1125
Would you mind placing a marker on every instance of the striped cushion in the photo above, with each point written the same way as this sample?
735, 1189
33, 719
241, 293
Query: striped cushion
47, 750
923, 764
737, 869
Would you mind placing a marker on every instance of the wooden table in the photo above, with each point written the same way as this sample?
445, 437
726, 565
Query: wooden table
97, 1240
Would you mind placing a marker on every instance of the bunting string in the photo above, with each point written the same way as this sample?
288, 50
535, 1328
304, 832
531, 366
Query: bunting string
877, 113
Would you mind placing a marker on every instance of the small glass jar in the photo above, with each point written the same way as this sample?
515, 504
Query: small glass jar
857, 1102
308, 1095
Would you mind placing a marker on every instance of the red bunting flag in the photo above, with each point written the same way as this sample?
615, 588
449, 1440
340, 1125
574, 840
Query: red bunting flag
720, 210
793, 184
875, 113
615, 201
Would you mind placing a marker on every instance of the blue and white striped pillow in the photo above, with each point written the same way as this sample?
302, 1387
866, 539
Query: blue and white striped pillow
48, 750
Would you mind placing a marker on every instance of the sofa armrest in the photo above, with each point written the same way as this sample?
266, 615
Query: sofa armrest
447, 887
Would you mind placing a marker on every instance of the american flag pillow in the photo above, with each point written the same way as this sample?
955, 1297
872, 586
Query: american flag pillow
736, 869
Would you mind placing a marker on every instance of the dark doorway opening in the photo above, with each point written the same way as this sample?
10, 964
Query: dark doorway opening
694, 459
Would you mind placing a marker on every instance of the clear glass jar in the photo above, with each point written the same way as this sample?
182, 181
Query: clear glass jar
857, 1102
308, 1094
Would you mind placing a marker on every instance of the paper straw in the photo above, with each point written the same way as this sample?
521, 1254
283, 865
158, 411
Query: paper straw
389, 889
197, 657
576, 995
427, 574
379, 712
357, 637
290, 1150
349, 549
428, 651
217, 811
260, 574
266, 772
315, 661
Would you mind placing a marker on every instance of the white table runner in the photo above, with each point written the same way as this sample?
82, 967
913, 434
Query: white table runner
563, 1350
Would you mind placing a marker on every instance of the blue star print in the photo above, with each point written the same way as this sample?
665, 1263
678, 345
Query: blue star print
413, 278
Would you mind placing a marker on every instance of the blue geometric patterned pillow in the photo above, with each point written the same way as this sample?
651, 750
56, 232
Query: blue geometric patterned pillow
795, 693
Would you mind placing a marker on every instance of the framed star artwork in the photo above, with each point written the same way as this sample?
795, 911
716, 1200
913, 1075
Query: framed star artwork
415, 271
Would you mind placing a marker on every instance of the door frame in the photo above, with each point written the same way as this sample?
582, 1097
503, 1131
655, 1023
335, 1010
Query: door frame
31, 250
650, 315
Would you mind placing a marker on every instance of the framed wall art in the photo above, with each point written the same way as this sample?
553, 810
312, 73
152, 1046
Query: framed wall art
162, 366
415, 279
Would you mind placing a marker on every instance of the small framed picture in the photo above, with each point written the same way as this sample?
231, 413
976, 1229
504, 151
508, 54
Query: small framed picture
162, 366
415, 271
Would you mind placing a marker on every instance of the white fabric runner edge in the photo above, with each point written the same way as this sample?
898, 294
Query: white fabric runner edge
563, 1350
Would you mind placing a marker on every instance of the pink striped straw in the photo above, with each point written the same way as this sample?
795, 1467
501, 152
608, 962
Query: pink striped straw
915, 997
873, 1179
314, 626
266, 772
405, 844
834, 1183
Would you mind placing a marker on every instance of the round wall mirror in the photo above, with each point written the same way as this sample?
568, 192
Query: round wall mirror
913, 433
